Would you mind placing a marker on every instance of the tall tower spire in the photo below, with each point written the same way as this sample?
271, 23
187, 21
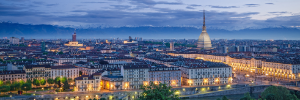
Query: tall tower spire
74, 36
204, 27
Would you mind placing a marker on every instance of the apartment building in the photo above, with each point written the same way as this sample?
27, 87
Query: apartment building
199, 72
13, 75
38, 71
89, 83
135, 75
167, 75
68, 71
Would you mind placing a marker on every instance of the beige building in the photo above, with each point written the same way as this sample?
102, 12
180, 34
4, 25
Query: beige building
38, 71
199, 72
276, 68
13, 75
88, 83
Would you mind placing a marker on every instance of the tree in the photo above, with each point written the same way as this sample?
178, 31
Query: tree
28, 81
1, 82
298, 94
270, 97
280, 93
15, 86
57, 80
246, 97
26, 87
50, 81
64, 79
224, 98
157, 92
4, 88
43, 81
7, 82
22, 82
102, 99
36, 82
218, 99
60, 53
66, 85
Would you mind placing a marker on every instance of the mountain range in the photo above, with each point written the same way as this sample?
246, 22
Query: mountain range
43, 31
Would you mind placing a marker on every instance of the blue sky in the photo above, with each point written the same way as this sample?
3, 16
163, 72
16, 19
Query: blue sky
220, 14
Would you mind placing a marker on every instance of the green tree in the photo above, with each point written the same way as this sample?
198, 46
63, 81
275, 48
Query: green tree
224, 98
66, 85
64, 79
26, 87
280, 93
102, 99
15, 86
270, 97
298, 94
43, 81
28, 81
60, 53
246, 97
36, 82
50, 81
7, 82
4, 88
157, 92
1, 82
218, 99
22, 82
57, 80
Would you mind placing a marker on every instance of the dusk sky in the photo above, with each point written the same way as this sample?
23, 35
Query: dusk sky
220, 14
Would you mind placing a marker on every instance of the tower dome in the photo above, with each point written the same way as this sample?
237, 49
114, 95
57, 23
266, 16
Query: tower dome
204, 41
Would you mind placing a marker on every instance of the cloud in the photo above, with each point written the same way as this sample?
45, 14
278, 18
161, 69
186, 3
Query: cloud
278, 13
121, 7
224, 7
251, 5
51, 5
269, 3
194, 5
93, 2
150, 3
189, 7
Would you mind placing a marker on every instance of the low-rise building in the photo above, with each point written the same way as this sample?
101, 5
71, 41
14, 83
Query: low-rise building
88, 83
38, 71
13, 75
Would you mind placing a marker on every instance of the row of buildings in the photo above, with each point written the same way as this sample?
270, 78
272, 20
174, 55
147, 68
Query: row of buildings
280, 67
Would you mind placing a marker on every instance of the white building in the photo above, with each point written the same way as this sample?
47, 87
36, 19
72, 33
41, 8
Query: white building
70, 59
68, 71
168, 75
135, 75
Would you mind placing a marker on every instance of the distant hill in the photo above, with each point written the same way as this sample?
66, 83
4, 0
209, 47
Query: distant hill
54, 32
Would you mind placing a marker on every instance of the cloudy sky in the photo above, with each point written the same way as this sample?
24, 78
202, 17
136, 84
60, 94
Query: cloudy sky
220, 14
